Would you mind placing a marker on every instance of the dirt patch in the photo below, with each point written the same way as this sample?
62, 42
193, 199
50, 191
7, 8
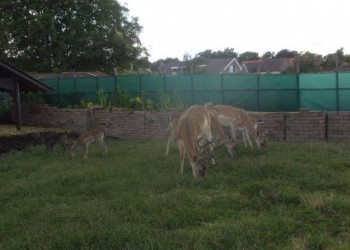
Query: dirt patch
11, 139
18, 142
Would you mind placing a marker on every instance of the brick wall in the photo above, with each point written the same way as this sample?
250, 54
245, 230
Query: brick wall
293, 127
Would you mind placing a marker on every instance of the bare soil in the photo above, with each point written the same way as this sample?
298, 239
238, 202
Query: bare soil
11, 139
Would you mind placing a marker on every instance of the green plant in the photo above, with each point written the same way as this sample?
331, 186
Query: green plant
6, 102
168, 102
141, 103
86, 104
103, 99
121, 98
34, 98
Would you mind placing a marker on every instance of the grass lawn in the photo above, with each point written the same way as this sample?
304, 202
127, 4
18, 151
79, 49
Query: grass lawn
293, 196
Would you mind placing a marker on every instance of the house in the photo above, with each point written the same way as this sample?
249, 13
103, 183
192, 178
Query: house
209, 66
224, 66
170, 68
271, 66
342, 69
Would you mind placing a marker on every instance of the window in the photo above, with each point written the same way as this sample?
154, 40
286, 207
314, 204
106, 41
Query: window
232, 68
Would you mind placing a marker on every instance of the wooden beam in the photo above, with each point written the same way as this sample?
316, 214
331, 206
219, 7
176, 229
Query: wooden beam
18, 104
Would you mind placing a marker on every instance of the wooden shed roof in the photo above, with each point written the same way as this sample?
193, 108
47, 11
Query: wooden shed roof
26, 83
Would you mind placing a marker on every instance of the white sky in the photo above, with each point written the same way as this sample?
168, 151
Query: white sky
172, 28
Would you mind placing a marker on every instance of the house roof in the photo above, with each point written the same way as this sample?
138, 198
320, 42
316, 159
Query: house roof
26, 83
217, 65
275, 65
70, 74
211, 66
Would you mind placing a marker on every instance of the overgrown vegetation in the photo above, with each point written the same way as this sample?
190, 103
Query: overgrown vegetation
122, 99
6, 102
293, 196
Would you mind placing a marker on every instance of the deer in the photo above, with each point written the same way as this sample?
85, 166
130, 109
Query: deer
214, 125
51, 140
88, 137
238, 120
193, 126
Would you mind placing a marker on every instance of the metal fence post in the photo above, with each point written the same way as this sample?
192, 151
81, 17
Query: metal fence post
258, 90
58, 90
192, 89
298, 84
337, 83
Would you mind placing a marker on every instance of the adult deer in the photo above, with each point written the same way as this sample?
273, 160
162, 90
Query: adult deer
238, 120
214, 126
88, 137
57, 138
193, 125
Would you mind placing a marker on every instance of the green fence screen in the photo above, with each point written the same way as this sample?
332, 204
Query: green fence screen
255, 92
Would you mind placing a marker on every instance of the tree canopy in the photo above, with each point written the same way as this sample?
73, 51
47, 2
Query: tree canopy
49, 36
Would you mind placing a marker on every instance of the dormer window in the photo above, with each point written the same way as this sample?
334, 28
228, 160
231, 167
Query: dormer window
232, 68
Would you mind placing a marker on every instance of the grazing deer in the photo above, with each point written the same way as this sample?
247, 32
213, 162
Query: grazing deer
214, 125
86, 138
238, 120
193, 125
51, 140
219, 131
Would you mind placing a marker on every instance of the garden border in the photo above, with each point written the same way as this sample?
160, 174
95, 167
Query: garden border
302, 126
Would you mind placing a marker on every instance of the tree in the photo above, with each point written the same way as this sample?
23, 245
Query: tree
285, 53
268, 55
226, 53
310, 62
248, 56
47, 36
209, 54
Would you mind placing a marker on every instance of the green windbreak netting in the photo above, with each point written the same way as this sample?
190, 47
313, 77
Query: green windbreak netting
204, 97
207, 82
344, 80
87, 85
249, 91
278, 100
129, 83
240, 82
318, 91
318, 99
287, 81
317, 81
52, 83
108, 83
242, 99
152, 83
177, 83
344, 100
67, 86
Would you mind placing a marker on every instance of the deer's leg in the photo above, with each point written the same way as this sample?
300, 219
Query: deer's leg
245, 132
170, 139
103, 146
182, 156
244, 139
86, 151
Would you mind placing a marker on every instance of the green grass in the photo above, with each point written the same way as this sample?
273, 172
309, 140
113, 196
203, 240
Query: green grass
293, 196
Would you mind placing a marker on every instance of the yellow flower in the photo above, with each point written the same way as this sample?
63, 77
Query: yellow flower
90, 105
138, 99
